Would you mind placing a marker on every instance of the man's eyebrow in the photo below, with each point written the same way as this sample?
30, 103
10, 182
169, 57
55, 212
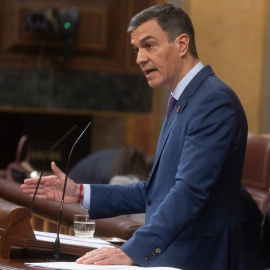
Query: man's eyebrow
144, 39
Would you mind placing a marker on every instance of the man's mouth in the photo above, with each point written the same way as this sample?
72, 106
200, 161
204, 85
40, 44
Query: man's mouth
149, 71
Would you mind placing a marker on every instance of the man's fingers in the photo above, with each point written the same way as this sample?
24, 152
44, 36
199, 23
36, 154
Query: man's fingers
93, 256
34, 181
105, 256
30, 181
33, 186
32, 189
106, 261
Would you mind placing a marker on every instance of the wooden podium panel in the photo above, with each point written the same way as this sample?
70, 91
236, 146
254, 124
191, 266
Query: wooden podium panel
14, 223
16, 231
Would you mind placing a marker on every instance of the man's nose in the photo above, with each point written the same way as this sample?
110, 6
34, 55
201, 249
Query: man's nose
141, 57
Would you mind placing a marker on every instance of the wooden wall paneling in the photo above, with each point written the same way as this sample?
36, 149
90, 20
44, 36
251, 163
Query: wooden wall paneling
1, 21
101, 35
107, 54
102, 43
46, 224
140, 132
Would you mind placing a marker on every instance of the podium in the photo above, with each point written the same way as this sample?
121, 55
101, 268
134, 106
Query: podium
16, 231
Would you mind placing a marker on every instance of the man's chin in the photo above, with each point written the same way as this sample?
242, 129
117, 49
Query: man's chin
154, 84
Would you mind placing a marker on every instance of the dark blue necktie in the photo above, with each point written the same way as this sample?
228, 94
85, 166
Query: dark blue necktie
171, 103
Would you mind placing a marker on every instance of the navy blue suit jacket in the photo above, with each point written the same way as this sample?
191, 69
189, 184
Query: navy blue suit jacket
191, 196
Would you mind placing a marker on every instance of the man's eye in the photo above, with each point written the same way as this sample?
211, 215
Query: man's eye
148, 46
135, 50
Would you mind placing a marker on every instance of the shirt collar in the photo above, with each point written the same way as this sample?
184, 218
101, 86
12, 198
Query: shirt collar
185, 81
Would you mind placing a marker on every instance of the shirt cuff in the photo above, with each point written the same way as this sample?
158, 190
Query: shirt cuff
85, 204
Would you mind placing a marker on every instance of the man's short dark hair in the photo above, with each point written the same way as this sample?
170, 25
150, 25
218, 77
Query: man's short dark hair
173, 20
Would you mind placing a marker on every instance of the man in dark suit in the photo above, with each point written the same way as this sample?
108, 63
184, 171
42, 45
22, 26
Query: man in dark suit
191, 196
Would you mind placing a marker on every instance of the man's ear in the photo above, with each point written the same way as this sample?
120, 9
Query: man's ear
183, 43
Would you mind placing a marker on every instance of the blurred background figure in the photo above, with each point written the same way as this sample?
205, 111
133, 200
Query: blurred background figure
99, 167
122, 166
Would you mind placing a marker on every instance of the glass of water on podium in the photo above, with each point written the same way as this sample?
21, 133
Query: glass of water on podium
84, 226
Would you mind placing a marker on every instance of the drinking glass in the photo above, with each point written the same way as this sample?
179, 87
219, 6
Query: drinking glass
84, 226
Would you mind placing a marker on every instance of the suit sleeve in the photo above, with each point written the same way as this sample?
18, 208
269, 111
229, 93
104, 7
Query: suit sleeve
113, 200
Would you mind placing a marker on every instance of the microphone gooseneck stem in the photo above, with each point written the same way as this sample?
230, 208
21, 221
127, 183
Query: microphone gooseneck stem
56, 249
45, 162
57, 240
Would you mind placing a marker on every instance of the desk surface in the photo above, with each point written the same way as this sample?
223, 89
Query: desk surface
21, 256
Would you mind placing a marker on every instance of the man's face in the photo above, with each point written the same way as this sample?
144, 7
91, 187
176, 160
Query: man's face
158, 59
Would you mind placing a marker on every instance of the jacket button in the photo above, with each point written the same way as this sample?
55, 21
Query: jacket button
158, 250
149, 202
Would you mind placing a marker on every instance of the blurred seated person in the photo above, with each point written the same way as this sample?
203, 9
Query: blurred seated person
99, 167
122, 166
94, 168
257, 255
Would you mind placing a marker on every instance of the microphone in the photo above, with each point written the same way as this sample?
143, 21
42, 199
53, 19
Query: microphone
57, 240
45, 162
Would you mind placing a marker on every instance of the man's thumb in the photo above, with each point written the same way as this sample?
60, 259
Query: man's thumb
57, 171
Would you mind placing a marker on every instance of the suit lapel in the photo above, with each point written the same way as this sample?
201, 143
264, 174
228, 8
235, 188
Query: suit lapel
182, 102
